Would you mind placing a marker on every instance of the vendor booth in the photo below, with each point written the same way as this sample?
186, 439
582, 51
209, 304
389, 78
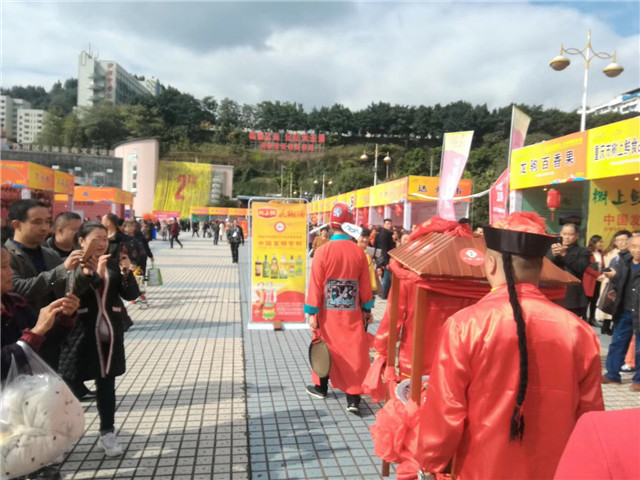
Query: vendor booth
221, 214
93, 202
406, 201
63, 192
591, 178
21, 180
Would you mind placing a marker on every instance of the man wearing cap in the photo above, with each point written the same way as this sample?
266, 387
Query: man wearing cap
513, 360
339, 303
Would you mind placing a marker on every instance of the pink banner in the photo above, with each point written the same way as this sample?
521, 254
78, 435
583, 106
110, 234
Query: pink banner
498, 196
454, 158
519, 127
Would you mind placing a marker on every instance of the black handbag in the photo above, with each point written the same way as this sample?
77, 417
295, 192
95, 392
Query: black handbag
607, 299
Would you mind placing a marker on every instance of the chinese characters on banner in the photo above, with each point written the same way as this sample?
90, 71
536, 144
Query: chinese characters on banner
555, 161
498, 196
278, 262
614, 204
614, 149
454, 158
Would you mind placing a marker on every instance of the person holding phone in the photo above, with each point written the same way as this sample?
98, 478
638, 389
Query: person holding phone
94, 350
572, 258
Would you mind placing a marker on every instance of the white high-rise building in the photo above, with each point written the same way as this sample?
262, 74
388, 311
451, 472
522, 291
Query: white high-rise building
30, 124
625, 103
9, 108
100, 80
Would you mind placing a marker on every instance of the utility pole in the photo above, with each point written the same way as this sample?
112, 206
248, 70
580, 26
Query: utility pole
291, 185
281, 181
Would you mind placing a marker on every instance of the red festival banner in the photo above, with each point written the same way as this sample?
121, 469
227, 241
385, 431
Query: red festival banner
455, 153
498, 196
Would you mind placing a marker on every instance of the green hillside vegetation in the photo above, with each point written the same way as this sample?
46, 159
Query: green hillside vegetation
212, 131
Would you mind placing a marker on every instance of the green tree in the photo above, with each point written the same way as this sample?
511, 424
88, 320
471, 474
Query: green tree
104, 125
229, 119
52, 130
72, 132
142, 121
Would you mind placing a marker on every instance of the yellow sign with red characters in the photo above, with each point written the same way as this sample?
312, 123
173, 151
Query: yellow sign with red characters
614, 149
278, 262
559, 160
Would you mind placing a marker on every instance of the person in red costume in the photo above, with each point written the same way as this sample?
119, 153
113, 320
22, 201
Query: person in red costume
513, 359
604, 445
339, 303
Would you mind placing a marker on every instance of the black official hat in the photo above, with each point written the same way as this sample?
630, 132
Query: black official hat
517, 242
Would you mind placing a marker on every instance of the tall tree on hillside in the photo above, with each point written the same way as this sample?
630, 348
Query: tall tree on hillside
104, 125
52, 130
142, 121
229, 119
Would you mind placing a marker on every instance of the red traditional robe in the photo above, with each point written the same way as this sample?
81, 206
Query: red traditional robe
339, 287
474, 379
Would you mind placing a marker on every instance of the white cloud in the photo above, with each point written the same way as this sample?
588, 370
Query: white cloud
413, 53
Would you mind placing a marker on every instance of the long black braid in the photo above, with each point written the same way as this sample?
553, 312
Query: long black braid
517, 420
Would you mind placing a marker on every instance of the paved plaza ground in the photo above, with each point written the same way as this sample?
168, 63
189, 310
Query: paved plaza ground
205, 398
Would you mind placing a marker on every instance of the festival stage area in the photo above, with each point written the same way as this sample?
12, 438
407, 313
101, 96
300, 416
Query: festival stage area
205, 398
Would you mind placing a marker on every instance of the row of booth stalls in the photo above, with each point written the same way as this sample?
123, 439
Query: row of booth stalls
221, 214
406, 201
596, 179
590, 178
57, 190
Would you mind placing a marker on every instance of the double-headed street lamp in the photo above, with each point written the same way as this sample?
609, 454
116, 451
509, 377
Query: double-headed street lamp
387, 159
328, 183
588, 53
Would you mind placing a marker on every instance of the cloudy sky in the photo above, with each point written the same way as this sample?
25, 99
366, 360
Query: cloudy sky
321, 53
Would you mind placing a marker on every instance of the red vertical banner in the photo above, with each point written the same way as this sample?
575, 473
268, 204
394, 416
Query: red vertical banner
498, 196
455, 153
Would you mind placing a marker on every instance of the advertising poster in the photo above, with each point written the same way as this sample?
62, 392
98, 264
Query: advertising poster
614, 204
278, 262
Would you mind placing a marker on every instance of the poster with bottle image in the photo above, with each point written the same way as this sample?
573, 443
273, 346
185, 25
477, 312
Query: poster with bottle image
279, 253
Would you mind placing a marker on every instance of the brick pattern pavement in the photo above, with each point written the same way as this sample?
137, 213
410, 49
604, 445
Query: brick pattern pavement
182, 409
291, 435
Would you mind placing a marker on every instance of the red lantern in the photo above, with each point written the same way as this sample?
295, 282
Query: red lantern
399, 209
553, 200
381, 211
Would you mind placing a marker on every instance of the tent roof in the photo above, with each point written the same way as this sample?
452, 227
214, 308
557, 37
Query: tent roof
437, 255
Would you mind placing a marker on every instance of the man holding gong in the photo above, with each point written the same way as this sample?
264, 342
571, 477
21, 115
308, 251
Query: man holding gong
339, 302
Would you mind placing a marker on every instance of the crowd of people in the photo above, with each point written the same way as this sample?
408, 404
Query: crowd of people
64, 284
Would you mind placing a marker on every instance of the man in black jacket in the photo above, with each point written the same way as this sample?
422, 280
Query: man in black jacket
65, 227
574, 259
384, 242
235, 237
215, 227
626, 314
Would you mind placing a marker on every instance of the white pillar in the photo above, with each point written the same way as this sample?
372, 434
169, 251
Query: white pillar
407, 216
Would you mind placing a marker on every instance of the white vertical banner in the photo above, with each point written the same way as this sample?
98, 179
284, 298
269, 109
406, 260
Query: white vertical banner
455, 153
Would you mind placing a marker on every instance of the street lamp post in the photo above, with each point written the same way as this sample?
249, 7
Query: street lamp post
387, 159
328, 183
588, 53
